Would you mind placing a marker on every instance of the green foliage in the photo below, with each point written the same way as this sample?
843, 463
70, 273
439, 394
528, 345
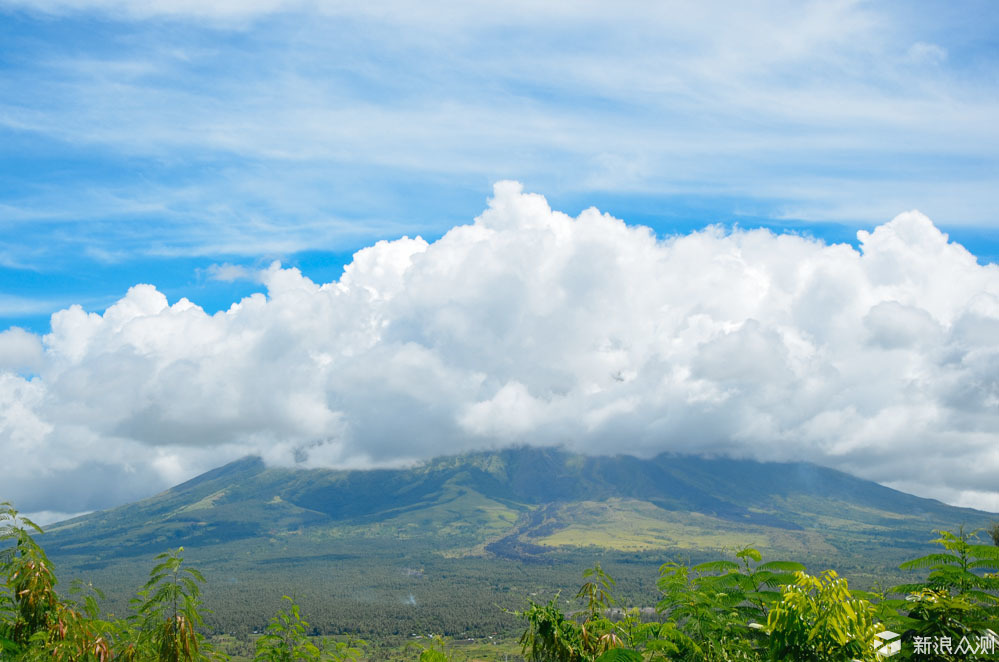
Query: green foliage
715, 604
596, 592
167, 612
620, 655
959, 597
819, 620
436, 650
934, 615
76, 633
963, 568
657, 640
550, 636
35, 623
993, 531
598, 633
286, 640
344, 651
29, 598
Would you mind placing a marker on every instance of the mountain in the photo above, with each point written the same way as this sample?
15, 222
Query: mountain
490, 527
543, 497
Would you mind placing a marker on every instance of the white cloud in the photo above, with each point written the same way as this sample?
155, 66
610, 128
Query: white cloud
228, 273
45, 517
19, 350
529, 325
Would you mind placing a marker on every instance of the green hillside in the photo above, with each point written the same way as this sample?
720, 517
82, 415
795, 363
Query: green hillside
521, 495
437, 547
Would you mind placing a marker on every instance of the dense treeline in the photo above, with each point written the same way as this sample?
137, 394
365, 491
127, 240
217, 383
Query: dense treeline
740, 609
379, 595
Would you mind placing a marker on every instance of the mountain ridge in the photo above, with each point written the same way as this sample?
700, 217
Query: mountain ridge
246, 499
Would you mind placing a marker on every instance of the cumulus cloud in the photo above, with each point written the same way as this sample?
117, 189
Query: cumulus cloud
19, 350
531, 326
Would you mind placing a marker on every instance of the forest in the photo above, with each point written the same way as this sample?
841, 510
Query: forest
743, 608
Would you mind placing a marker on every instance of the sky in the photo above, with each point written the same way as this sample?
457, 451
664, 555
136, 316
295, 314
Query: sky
365, 234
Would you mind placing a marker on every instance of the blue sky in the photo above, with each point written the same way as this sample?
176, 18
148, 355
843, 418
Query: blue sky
145, 143
193, 145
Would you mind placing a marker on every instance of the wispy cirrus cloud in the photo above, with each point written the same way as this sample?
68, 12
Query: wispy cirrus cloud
302, 112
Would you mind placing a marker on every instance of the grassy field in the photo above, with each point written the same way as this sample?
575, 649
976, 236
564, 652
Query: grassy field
630, 525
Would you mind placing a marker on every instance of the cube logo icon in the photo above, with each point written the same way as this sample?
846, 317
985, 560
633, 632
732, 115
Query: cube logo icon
887, 643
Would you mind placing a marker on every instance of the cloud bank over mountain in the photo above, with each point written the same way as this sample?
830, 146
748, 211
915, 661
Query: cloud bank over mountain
529, 326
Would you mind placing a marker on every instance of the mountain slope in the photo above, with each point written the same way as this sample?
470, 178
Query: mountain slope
439, 547
498, 502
